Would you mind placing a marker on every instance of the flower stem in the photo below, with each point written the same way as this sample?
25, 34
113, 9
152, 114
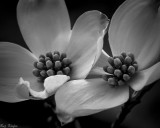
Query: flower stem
135, 98
53, 121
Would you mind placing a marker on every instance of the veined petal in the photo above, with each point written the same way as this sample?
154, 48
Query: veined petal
135, 28
86, 42
15, 62
44, 24
146, 77
8, 93
85, 97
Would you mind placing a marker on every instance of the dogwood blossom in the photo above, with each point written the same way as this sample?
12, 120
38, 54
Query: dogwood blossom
134, 29
59, 52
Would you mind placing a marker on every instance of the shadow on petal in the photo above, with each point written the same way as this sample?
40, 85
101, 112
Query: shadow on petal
16, 62
45, 25
135, 28
103, 60
86, 42
146, 77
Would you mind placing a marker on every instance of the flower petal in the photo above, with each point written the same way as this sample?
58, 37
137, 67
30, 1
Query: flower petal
135, 28
85, 97
15, 62
44, 24
103, 60
52, 83
8, 93
96, 72
28, 90
64, 118
86, 42
146, 77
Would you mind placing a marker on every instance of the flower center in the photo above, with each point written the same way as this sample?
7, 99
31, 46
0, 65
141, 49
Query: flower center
122, 68
52, 64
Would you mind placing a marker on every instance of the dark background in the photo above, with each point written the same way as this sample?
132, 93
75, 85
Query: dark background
31, 114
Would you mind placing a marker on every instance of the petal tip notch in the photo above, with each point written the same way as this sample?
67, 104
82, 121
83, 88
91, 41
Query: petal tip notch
104, 22
64, 118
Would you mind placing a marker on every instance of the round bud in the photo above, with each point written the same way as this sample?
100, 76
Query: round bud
121, 58
117, 63
41, 59
131, 55
40, 65
128, 60
111, 60
131, 70
126, 77
117, 72
110, 69
63, 55
43, 73
57, 65
41, 56
124, 68
50, 72
112, 81
49, 54
124, 54
49, 64
120, 83
66, 70
47, 58
56, 52
35, 64
56, 57
66, 61
60, 73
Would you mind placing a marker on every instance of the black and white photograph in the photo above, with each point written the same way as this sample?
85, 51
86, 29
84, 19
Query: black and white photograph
80, 64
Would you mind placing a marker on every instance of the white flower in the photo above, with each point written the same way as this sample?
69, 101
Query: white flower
134, 28
45, 26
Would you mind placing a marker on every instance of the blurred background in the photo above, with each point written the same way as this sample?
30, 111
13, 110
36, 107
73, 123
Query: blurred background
32, 114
